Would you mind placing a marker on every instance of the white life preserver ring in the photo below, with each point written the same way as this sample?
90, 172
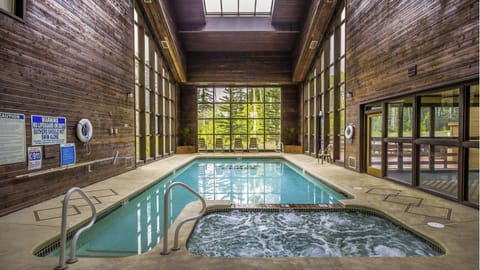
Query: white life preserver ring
349, 130
84, 130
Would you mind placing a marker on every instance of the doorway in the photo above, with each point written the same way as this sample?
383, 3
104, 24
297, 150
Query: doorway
374, 144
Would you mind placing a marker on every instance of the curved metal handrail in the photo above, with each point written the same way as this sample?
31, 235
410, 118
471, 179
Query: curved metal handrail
63, 240
165, 216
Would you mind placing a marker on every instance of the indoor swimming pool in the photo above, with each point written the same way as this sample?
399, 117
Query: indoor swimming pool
241, 181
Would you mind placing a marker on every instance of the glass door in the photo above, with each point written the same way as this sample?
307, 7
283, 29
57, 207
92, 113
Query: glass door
374, 144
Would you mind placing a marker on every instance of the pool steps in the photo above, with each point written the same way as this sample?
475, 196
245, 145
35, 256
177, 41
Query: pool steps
165, 216
63, 240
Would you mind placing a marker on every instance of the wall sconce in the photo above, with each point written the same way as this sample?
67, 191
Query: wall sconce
349, 94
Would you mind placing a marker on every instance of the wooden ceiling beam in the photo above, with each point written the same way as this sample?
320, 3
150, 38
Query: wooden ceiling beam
316, 24
160, 20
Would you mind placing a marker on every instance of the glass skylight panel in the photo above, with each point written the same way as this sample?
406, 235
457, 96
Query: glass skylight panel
230, 6
213, 6
238, 7
264, 6
247, 6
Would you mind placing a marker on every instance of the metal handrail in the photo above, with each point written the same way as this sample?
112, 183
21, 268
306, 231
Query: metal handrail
165, 216
63, 240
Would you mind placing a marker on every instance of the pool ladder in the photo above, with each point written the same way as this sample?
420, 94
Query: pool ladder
165, 216
63, 240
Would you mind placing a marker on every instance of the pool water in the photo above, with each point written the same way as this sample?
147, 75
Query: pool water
137, 225
303, 234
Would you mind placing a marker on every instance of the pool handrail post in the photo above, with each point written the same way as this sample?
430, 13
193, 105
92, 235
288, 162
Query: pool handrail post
165, 216
63, 235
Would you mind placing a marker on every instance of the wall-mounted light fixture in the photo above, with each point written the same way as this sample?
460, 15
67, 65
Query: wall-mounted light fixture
349, 94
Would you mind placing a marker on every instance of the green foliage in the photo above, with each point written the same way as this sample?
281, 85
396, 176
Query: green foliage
291, 134
184, 134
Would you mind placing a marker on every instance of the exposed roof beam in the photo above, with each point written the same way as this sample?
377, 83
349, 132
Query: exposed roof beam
163, 27
239, 24
316, 24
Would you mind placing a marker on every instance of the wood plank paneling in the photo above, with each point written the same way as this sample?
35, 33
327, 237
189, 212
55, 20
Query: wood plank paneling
290, 113
236, 67
385, 38
69, 59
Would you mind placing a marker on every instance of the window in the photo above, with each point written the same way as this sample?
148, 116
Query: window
13, 7
431, 141
324, 91
239, 112
238, 7
154, 98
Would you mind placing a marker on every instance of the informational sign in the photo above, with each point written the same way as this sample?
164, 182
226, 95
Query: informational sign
34, 157
67, 154
48, 130
12, 138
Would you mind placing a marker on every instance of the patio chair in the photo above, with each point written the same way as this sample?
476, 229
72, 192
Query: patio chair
253, 144
219, 144
201, 144
238, 144
326, 154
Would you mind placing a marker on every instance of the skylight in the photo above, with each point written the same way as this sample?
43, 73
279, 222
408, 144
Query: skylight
238, 7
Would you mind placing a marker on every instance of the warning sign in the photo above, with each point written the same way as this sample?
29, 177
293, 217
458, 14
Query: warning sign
12, 138
48, 130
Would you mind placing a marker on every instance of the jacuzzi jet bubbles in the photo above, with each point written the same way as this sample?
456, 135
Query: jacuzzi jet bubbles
303, 234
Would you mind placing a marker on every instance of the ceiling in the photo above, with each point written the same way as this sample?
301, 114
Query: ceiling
285, 34
199, 33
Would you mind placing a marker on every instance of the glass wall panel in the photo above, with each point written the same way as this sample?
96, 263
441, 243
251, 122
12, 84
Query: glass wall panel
204, 95
440, 114
205, 110
256, 126
222, 95
256, 95
438, 168
399, 158
473, 175
238, 95
400, 118
205, 126
239, 112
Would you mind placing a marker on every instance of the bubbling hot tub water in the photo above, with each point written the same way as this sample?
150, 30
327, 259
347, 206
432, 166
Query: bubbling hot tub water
303, 234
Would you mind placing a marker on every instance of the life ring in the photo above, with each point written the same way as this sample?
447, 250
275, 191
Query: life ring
84, 130
349, 130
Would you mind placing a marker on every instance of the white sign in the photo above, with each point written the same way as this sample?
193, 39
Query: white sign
34, 157
12, 138
48, 130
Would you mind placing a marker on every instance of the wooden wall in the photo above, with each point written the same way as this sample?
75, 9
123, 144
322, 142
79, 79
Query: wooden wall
244, 67
187, 111
72, 59
290, 112
385, 38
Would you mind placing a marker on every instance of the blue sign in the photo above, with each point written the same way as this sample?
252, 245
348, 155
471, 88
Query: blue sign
67, 154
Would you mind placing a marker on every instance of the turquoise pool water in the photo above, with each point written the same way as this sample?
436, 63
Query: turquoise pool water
136, 226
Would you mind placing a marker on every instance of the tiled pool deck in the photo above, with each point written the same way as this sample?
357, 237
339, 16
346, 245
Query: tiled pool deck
23, 231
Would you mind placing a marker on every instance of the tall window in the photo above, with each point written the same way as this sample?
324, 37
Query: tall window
341, 87
13, 7
154, 98
239, 113
324, 91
